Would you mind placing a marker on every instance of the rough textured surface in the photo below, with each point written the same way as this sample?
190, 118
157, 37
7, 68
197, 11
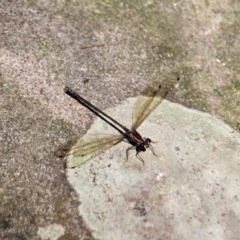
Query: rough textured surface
190, 191
54, 232
107, 51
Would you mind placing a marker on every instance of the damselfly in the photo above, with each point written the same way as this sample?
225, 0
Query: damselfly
91, 146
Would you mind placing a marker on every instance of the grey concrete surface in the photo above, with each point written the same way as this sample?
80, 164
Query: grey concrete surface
108, 51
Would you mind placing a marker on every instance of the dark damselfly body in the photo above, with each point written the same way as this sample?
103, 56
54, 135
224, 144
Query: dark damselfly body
91, 146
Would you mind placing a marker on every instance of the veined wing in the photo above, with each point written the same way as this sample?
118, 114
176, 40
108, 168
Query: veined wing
89, 147
150, 98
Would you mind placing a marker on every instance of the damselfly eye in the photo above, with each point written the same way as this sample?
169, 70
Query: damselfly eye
147, 141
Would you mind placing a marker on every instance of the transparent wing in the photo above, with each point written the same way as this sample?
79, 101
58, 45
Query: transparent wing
63, 149
150, 98
89, 147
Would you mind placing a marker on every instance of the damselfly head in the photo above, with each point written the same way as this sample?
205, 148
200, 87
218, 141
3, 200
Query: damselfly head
146, 142
141, 147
